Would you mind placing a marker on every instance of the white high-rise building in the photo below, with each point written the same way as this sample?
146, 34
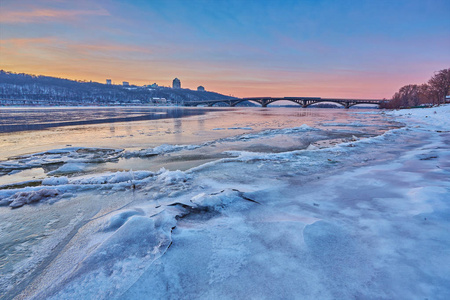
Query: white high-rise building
176, 84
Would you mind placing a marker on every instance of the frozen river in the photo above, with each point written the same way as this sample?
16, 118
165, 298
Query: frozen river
223, 203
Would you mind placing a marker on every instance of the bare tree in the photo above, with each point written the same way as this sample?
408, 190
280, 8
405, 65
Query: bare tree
434, 92
408, 95
424, 94
440, 84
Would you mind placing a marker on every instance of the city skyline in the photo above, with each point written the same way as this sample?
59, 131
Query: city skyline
310, 48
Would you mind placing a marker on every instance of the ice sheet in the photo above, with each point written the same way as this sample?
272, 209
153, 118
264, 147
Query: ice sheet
363, 219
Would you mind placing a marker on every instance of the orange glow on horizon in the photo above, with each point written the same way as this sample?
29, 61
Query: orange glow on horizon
51, 56
233, 87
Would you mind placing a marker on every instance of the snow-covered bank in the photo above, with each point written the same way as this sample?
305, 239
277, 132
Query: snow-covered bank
364, 219
437, 118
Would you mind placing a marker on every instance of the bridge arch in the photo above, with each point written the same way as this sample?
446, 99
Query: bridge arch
317, 102
268, 102
353, 104
234, 103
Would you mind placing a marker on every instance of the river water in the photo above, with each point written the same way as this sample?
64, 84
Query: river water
26, 131
31, 130
195, 202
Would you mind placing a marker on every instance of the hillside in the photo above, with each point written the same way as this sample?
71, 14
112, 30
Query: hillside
51, 90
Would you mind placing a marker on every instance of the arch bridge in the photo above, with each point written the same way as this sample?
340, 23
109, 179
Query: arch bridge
303, 101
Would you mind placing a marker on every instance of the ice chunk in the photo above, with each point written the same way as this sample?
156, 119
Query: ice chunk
120, 260
241, 128
221, 200
247, 156
5, 201
55, 181
119, 219
60, 156
312, 147
121, 177
162, 149
69, 168
273, 132
21, 198
116, 177
172, 177
353, 124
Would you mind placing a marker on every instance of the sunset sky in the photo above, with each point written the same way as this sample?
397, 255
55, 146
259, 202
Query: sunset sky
358, 49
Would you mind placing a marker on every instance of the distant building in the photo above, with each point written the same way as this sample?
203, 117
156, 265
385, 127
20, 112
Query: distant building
176, 84
125, 83
154, 85
108, 81
201, 88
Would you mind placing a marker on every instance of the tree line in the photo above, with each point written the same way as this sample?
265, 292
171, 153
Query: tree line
433, 92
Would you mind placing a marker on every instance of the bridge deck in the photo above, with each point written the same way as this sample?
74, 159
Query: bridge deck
264, 101
304, 101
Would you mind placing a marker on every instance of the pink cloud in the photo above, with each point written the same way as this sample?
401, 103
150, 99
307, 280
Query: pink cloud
46, 15
76, 49
21, 42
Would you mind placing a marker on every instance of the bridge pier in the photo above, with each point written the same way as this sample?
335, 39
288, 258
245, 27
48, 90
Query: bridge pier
304, 104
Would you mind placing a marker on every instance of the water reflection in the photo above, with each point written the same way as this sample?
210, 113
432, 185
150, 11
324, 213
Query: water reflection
12, 120
201, 124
